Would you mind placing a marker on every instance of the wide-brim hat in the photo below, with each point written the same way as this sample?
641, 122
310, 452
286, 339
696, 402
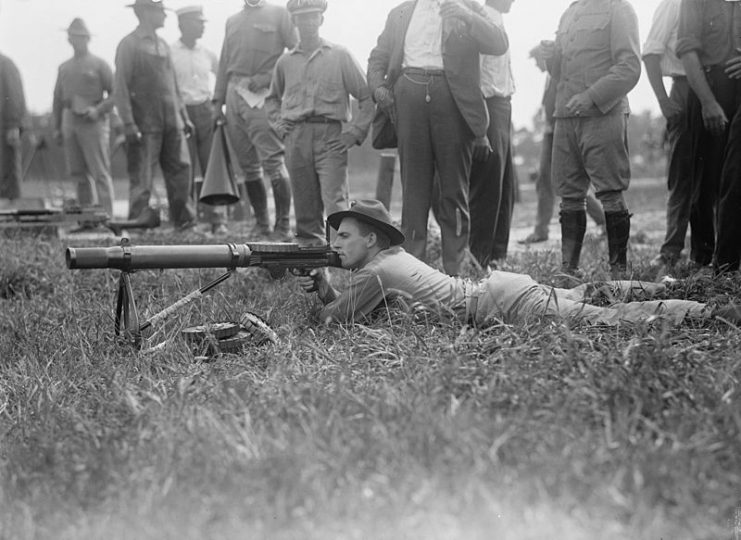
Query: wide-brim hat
78, 28
193, 12
372, 212
157, 4
297, 7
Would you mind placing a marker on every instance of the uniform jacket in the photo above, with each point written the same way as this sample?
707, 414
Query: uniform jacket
12, 102
598, 52
460, 52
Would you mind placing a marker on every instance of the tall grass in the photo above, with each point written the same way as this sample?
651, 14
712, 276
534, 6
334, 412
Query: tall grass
406, 428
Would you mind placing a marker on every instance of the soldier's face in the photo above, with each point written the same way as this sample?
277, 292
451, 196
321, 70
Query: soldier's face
308, 23
353, 247
192, 27
156, 17
79, 43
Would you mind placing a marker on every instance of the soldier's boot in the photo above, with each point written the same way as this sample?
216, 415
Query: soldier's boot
242, 210
282, 197
259, 199
618, 234
573, 228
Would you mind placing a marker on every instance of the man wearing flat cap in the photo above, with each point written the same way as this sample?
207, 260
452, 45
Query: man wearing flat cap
154, 116
369, 245
309, 106
194, 65
83, 99
254, 40
12, 119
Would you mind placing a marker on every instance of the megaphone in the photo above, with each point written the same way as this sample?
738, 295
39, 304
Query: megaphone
219, 186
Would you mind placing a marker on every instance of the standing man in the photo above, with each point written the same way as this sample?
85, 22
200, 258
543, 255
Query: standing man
12, 115
492, 195
595, 62
154, 117
83, 99
308, 102
661, 61
255, 38
709, 45
194, 65
424, 72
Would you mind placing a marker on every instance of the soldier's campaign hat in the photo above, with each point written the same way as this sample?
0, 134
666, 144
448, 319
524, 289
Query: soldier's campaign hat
372, 212
157, 4
296, 7
78, 28
194, 11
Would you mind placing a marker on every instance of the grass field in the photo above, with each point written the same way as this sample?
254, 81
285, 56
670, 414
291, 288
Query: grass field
404, 429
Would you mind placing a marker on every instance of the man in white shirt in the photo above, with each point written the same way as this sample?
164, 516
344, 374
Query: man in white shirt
492, 190
194, 67
661, 61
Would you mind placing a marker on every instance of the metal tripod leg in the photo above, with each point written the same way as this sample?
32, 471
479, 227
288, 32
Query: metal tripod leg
126, 312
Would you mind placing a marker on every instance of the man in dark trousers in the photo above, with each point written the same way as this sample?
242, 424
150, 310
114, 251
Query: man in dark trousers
83, 99
12, 115
710, 48
254, 40
661, 61
596, 62
154, 116
492, 195
424, 72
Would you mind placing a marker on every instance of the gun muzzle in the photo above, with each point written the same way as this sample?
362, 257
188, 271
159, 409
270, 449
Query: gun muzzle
129, 258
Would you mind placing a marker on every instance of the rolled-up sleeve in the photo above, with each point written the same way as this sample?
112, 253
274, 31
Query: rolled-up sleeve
690, 27
609, 90
363, 295
664, 22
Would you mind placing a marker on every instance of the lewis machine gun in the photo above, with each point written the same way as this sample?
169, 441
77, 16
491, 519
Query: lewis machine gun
277, 258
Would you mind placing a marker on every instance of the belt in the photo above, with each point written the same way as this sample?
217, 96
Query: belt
319, 120
423, 71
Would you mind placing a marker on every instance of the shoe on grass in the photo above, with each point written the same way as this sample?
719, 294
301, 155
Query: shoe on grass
533, 238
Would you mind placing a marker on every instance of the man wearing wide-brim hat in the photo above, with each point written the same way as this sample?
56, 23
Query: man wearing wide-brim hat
83, 99
154, 116
309, 106
369, 244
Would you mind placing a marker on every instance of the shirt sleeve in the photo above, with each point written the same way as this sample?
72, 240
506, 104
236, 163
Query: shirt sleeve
274, 99
124, 68
364, 294
626, 68
14, 108
106, 79
664, 22
57, 104
690, 27
356, 85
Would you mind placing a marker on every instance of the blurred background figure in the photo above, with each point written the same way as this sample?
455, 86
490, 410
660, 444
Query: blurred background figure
12, 117
544, 181
661, 61
491, 197
194, 66
154, 118
83, 99
254, 40
308, 102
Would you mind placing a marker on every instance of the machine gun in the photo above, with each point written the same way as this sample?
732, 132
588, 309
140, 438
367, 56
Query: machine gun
277, 258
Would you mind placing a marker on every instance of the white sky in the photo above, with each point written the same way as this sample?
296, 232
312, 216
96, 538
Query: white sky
32, 34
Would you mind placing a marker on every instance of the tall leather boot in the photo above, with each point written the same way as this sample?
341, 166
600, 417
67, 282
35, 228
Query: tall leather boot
618, 233
573, 228
259, 198
282, 198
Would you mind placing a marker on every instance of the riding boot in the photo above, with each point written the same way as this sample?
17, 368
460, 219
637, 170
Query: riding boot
282, 198
618, 233
573, 228
259, 198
